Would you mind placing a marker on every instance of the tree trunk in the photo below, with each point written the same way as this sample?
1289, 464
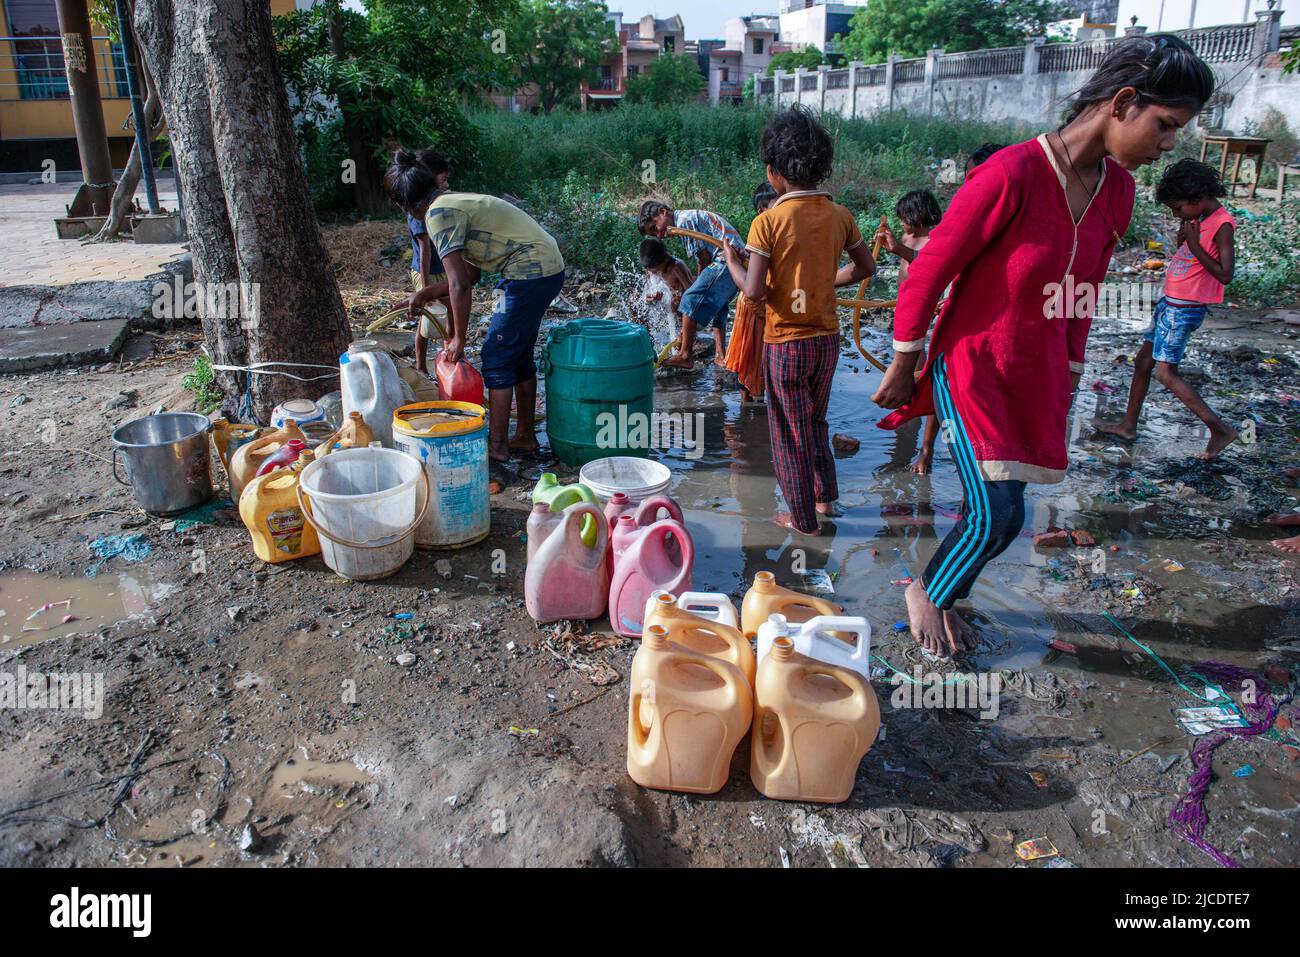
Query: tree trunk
367, 189
248, 208
126, 186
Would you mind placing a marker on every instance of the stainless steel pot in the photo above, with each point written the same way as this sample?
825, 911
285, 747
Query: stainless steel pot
167, 461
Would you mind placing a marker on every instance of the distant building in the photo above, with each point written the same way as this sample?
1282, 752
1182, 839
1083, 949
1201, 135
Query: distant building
750, 43
1160, 15
816, 23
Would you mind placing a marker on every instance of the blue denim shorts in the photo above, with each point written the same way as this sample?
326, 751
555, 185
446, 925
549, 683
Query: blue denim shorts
1171, 326
709, 298
512, 331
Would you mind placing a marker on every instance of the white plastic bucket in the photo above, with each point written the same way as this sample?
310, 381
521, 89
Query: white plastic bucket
636, 478
451, 440
365, 504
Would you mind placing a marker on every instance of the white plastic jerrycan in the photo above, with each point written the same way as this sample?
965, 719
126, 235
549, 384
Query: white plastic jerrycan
371, 386
714, 606
825, 638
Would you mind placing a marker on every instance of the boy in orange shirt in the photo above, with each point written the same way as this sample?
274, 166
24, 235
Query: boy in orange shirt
1194, 281
795, 248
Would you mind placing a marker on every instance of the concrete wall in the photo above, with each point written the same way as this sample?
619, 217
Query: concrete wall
1033, 86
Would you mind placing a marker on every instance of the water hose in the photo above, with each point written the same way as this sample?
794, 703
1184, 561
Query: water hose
388, 318
857, 305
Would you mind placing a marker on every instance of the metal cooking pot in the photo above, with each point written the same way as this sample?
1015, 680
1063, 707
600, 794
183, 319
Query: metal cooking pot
167, 461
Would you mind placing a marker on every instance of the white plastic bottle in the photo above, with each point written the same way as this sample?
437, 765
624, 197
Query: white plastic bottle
371, 386
823, 639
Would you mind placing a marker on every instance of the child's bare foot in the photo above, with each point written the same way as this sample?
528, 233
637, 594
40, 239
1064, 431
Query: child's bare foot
783, 519
828, 509
1290, 545
680, 360
921, 465
926, 620
1121, 429
498, 453
1284, 518
1220, 439
524, 443
960, 636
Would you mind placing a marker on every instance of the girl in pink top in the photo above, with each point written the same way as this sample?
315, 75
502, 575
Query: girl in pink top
1194, 280
1025, 243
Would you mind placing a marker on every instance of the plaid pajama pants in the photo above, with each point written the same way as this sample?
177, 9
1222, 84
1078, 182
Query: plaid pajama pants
798, 376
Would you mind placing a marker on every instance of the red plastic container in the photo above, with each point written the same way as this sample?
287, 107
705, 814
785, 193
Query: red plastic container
287, 454
458, 381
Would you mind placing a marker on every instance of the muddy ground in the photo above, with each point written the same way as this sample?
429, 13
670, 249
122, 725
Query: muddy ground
238, 693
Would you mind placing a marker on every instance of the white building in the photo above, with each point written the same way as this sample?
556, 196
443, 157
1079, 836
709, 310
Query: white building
814, 23
1158, 15
748, 49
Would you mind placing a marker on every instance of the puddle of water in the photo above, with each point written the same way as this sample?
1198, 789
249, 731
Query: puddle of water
88, 603
290, 774
730, 494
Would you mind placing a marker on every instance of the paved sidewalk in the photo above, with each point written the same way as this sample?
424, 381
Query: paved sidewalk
31, 253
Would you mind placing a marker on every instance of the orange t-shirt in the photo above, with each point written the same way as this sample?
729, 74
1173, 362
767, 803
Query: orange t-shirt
1186, 278
802, 236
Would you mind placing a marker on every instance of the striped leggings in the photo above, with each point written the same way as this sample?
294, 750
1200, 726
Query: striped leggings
798, 376
992, 513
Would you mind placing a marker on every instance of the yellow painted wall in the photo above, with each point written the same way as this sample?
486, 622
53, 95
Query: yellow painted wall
52, 119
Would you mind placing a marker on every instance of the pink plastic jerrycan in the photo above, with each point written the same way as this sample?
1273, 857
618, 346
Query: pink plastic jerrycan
647, 513
458, 381
566, 577
616, 506
661, 556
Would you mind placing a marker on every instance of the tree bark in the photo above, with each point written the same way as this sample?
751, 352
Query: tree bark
247, 204
126, 186
367, 189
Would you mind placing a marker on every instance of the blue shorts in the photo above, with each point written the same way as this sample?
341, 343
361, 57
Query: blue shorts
709, 298
512, 332
1171, 326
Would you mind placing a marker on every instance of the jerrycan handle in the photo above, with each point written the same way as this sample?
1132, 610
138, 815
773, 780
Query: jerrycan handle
823, 626
573, 525
712, 606
669, 527
647, 513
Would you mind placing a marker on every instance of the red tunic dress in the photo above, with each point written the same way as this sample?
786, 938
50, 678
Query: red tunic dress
1024, 282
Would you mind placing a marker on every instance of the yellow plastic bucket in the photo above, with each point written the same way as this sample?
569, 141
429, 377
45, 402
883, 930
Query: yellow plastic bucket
451, 440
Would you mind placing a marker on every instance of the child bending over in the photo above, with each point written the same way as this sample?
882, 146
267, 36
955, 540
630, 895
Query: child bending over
660, 264
1194, 281
795, 249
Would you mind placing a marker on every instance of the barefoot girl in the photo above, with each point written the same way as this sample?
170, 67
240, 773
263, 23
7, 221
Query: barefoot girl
1008, 347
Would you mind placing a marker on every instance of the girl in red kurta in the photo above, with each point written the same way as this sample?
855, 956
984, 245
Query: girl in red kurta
1025, 244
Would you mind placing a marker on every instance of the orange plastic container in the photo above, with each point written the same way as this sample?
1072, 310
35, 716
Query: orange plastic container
766, 598
271, 513
249, 458
687, 714
813, 722
352, 434
701, 634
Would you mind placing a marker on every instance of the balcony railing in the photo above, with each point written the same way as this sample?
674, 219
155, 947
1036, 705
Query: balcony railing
1221, 44
606, 84
1000, 61
909, 71
31, 68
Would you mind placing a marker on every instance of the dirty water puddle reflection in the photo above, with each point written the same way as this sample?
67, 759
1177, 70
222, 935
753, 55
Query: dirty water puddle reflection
36, 607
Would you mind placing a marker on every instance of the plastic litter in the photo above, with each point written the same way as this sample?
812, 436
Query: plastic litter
133, 548
1036, 849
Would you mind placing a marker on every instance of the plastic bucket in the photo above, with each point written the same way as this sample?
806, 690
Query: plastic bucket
638, 479
167, 462
451, 440
365, 504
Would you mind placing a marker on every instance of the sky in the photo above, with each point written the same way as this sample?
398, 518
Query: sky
704, 21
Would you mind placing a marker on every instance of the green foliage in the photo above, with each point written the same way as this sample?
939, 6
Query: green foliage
809, 58
202, 382
910, 28
557, 44
672, 78
584, 175
1268, 259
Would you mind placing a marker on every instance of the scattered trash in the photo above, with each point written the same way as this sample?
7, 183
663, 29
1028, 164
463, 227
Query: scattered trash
133, 548
1198, 721
1244, 771
900, 581
1056, 644
405, 659
1052, 538
522, 732
1036, 849
603, 675
250, 840
820, 581
845, 443
900, 626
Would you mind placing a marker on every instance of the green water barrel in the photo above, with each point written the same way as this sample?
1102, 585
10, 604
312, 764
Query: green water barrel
599, 389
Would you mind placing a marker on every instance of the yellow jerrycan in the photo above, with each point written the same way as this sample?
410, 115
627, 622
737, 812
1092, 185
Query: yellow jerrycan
700, 634
228, 436
249, 458
271, 513
352, 434
813, 722
687, 714
766, 598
